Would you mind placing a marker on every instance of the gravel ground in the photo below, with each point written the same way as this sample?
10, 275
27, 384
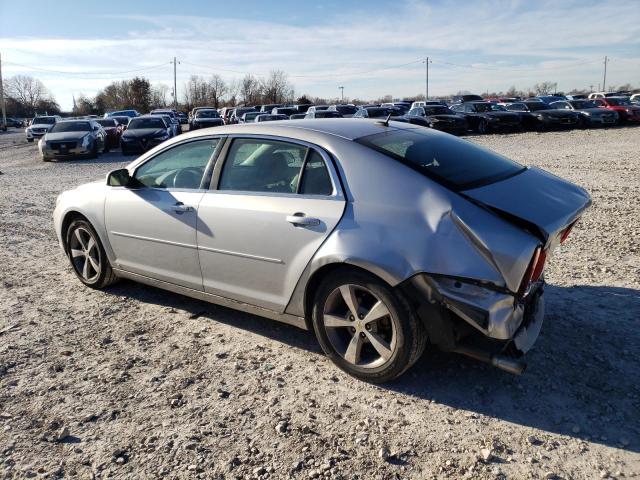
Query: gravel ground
135, 382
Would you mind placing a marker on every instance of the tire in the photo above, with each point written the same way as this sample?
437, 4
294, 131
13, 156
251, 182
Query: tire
483, 127
94, 150
30, 140
96, 277
401, 332
106, 147
45, 159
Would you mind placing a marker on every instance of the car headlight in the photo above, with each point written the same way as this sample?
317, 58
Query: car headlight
85, 141
588, 114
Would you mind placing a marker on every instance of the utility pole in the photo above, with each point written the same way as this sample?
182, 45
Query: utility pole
4, 112
341, 94
590, 88
604, 79
175, 90
426, 93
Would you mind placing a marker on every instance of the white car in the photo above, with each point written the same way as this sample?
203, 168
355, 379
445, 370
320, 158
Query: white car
40, 126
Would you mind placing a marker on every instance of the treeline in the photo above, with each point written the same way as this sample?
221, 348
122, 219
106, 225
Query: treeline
27, 96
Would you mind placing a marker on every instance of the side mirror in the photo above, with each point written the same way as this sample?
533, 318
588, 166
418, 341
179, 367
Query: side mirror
119, 178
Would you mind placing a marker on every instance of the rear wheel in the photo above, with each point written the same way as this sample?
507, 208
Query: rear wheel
365, 327
87, 256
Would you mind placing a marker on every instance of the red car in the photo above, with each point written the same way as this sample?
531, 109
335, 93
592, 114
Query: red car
113, 129
627, 111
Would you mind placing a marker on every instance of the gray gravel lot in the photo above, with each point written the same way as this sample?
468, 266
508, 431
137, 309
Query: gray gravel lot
135, 382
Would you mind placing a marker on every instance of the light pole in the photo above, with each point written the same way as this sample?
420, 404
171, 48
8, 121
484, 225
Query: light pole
175, 90
604, 79
341, 94
426, 63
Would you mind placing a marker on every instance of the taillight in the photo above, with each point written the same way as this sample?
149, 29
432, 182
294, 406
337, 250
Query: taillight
566, 232
534, 270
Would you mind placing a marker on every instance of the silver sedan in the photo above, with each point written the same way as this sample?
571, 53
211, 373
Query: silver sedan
379, 236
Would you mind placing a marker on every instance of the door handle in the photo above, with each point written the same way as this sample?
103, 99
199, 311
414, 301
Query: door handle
299, 218
180, 207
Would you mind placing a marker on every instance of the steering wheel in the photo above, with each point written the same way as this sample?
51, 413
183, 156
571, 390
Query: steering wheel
187, 178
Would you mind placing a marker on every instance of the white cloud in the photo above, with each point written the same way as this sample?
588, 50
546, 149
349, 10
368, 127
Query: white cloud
562, 43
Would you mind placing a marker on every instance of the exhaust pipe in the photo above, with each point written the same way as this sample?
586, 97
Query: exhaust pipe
508, 364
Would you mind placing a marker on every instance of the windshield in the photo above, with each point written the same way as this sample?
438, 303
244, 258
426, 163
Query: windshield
207, 114
437, 111
71, 127
328, 114
146, 123
535, 106
489, 107
618, 102
43, 120
109, 122
346, 109
454, 162
580, 104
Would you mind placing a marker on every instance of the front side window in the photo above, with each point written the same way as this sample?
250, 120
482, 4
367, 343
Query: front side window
182, 166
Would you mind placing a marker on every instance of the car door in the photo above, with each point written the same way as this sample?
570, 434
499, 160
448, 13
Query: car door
271, 206
152, 227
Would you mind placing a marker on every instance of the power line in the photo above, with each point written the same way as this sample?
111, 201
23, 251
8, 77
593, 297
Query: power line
86, 73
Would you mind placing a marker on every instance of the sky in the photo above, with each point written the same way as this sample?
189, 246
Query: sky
372, 48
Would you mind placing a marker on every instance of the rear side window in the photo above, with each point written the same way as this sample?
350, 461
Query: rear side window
454, 162
315, 178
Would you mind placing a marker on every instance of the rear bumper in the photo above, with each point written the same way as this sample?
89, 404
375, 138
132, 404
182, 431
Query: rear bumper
465, 309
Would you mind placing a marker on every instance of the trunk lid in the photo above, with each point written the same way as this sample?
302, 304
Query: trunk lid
537, 200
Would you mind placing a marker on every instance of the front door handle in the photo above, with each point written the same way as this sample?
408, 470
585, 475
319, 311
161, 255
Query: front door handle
180, 207
300, 219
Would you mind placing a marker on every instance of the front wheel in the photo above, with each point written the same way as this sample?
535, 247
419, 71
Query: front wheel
365, 327
87, 256
30, 140
483, 127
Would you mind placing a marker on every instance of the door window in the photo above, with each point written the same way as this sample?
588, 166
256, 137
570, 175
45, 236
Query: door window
262, 166
315, 178
182, 166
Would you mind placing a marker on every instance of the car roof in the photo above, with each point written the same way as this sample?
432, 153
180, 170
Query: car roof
346, 128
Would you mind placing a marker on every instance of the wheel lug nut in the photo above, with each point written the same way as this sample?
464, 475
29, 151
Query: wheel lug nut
360, 316
351, 318
368, 327
362, 334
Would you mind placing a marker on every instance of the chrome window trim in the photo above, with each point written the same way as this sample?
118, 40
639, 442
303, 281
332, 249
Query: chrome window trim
337, 193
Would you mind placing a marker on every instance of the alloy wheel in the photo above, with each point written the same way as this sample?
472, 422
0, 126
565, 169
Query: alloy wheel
359, 326
85, 254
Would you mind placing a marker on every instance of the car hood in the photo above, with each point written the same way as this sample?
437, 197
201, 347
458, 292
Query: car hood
535, 199
143, 132
210, 120
66, 136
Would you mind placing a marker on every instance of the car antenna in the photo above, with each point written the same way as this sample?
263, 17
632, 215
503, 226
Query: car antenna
385, 122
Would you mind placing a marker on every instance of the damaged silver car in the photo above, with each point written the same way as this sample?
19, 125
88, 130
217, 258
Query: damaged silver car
381, 237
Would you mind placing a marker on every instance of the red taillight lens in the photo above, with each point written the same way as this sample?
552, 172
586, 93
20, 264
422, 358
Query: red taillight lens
566, 232
534, 271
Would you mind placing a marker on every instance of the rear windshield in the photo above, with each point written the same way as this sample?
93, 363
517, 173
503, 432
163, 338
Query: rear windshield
146, 123
346, 109
457, 163
207, 114
107, 122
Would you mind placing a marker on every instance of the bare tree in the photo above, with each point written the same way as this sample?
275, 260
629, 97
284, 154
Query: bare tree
159, 95
250, 91
544, 88
27, 90
217, 88
276, 87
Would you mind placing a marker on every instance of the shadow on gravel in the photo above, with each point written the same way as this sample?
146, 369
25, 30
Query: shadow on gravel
582, 376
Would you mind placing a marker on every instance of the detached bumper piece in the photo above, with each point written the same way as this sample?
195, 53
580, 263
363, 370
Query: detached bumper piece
480, 321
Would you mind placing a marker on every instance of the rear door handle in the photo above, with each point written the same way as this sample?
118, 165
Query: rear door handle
180, 207
300, 219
